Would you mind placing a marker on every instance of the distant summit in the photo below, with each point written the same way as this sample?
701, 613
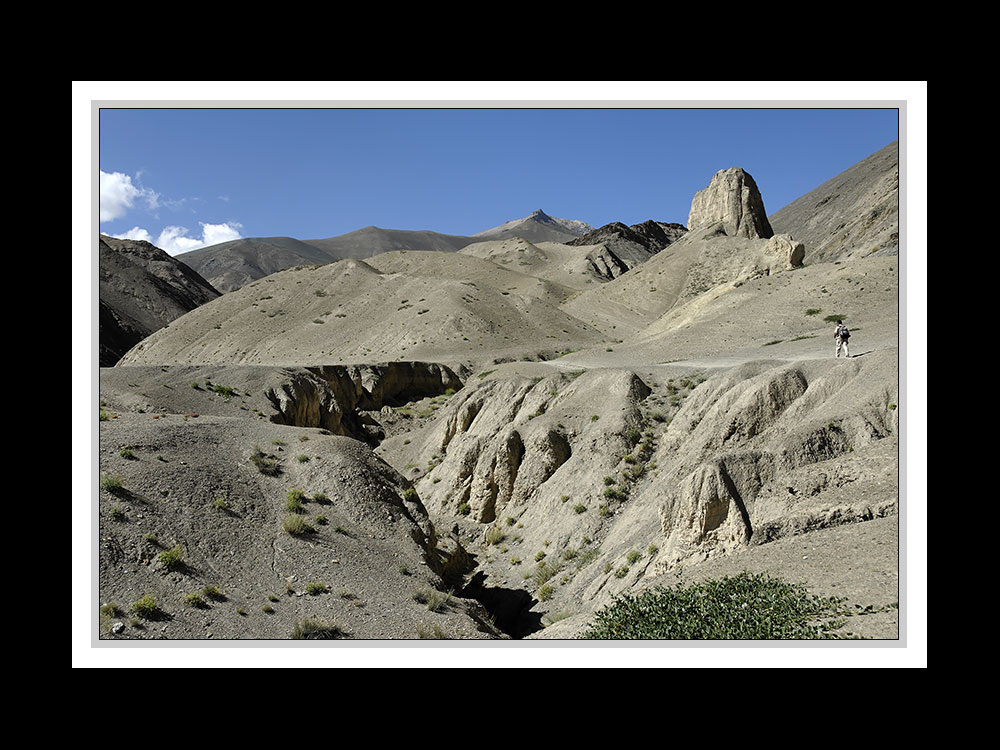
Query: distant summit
538, 227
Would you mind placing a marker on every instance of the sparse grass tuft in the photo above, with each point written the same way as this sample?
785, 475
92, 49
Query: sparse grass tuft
296, 525
495, 535
112, 609
311, 629
267, 465
434, 600
315, 588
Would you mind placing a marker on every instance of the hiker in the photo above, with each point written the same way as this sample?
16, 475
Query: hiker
841, 335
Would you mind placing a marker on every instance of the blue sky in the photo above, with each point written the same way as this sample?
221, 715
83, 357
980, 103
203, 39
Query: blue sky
186, 177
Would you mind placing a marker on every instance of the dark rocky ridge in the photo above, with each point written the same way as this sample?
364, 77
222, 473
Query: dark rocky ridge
633, 244
142, 289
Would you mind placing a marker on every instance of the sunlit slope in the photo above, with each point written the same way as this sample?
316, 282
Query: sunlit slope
349, 311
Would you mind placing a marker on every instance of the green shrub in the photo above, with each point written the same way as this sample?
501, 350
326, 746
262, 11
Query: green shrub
293, 503
146, 607
633, 557
117, 513
194, 600
315, 588
745, 607
223, 390
112, 609
545, 592
579, 508
113, 484
212, 592
220, 504
173, 558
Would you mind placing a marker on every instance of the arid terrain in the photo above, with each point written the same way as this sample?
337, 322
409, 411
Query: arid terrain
495, 437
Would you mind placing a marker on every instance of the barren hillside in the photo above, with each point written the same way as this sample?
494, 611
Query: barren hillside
853, 215
502, 442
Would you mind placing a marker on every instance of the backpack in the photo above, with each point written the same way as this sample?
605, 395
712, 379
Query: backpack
845, 333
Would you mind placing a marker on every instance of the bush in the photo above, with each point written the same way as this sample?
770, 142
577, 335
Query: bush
315, 588
294, 502
113, 484
146, 607
173, 558
744, 607
194, 600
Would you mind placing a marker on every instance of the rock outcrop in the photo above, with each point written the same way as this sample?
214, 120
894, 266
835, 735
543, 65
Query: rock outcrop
732, 199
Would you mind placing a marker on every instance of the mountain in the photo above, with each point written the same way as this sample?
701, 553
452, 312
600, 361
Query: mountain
369, 241
538, 227
231, 265
141, 289
852, 215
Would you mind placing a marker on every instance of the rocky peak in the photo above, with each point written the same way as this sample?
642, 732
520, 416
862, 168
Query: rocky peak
732, 199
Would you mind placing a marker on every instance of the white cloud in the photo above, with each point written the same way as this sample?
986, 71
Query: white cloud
213, 234
174, 240
118, 195
135, 233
